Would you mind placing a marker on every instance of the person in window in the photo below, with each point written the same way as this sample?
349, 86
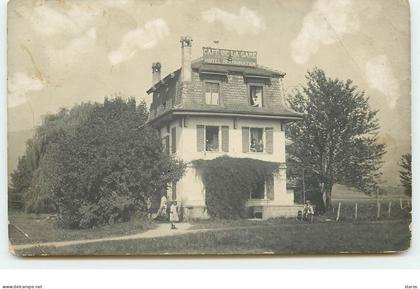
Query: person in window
212, 145
256, 96
260, 146
254, 145
255, 101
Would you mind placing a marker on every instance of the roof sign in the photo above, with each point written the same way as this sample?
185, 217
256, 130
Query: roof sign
229, 57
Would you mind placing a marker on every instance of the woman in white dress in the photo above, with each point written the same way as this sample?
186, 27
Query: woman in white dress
173, 215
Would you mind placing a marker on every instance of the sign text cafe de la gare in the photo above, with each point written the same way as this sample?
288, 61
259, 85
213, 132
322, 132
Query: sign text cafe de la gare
231, 57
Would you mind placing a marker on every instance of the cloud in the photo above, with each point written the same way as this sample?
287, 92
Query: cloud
380, 76
49, 21
74, 48
247, 21
19, 85
141, 38
324, 25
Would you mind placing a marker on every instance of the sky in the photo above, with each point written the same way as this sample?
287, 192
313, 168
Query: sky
61, 53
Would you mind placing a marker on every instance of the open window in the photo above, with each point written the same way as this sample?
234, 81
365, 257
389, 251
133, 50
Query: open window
212, 138
212, 93
258, 192
255, 95
256, 140
264, 189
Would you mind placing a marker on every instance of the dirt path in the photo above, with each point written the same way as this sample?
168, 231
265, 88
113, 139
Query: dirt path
162, 230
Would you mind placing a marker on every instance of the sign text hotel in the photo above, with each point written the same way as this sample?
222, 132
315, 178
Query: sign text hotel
231, 57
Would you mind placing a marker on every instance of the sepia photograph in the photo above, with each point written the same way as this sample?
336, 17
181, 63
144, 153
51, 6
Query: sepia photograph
215, 128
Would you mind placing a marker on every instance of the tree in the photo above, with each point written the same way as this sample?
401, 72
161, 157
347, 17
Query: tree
96, 164
21, 180
109, 166
337, 139
30, 188
405, 173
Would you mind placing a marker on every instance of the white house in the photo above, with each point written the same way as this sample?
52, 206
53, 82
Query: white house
223, 103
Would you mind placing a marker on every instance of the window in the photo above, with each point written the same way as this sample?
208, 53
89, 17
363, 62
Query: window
256, 143
255, 95
257, 139
212, 138
212, 93
264, 189
258, 192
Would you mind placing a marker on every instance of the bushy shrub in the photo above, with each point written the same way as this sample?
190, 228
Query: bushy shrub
230, 181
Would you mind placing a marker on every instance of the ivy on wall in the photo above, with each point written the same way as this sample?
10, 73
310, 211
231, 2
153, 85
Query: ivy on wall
230, 181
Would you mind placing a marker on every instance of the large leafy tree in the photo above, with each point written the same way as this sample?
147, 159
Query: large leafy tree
405, 173
29, 189
102, 168
337, 139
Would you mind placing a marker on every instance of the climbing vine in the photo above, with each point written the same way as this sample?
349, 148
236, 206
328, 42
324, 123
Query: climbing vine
230, 181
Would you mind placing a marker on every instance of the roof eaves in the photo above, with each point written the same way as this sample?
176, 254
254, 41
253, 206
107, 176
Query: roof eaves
163, 81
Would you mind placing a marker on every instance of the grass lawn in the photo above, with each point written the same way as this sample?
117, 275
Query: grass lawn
247, 237
39, 229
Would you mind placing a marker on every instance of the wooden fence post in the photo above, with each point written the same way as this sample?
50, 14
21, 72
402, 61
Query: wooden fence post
389, 208
378, 212
338, 211
355, 211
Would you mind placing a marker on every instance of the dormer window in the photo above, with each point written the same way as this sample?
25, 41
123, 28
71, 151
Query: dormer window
255, 95
212, 93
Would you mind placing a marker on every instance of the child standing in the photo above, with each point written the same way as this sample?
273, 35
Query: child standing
173, 215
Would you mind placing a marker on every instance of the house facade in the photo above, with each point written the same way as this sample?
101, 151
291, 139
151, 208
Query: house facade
223, 103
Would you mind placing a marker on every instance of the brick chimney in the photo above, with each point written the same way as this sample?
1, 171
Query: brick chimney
156, 68
186, 43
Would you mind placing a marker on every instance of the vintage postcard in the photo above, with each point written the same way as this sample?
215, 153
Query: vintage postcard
188, 127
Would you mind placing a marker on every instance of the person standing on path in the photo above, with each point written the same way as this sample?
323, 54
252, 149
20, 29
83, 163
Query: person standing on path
173, 215
162, 208
149, 207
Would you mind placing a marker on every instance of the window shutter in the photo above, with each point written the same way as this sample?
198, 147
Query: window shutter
245, 139
225, 138
269, 186
173, 136
269, 140
200, 138
174, 191
167, 144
